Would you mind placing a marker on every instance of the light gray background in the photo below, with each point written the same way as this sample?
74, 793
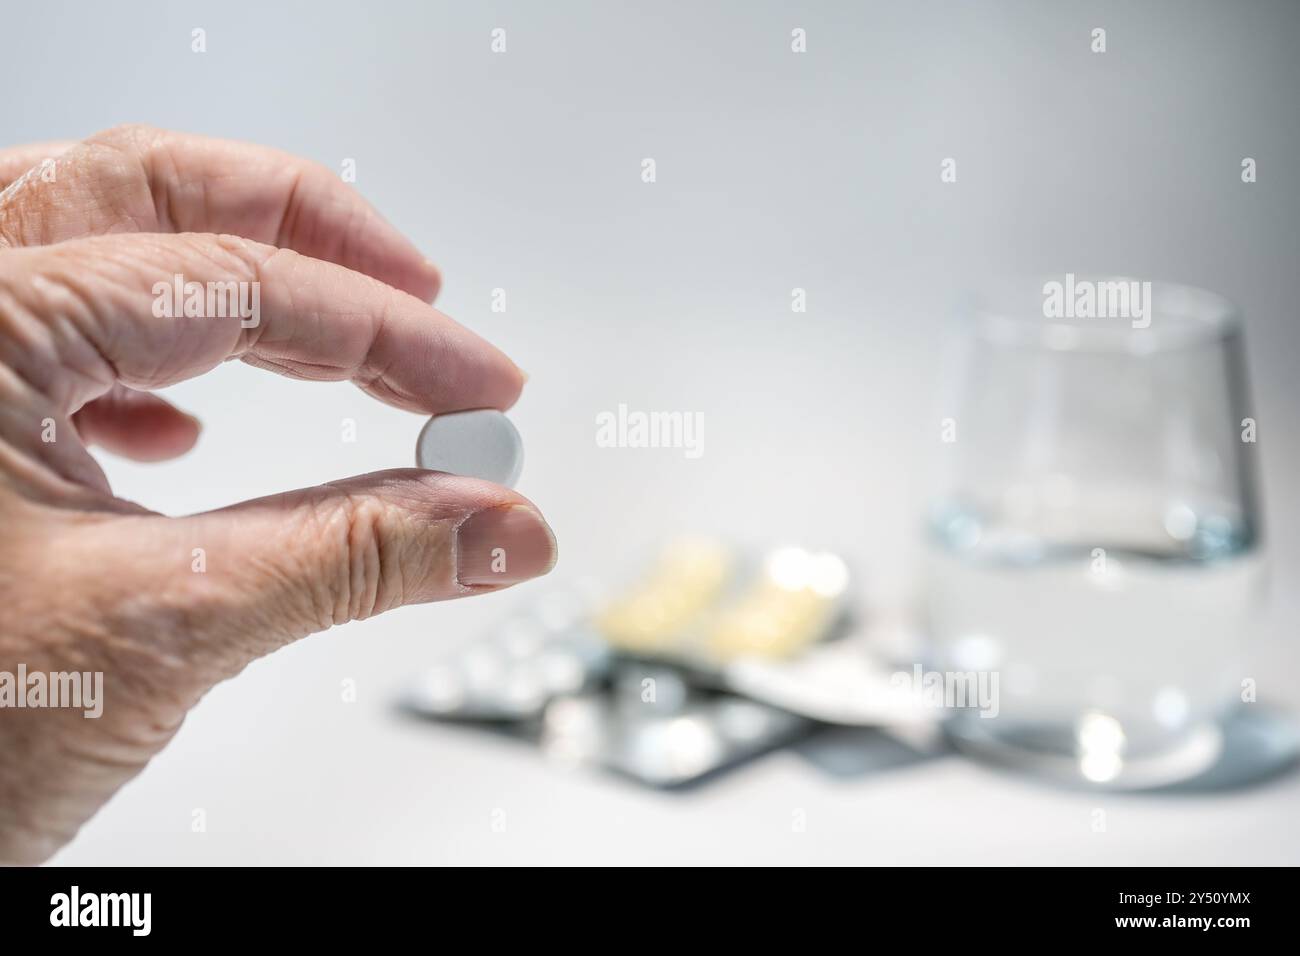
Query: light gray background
775, 170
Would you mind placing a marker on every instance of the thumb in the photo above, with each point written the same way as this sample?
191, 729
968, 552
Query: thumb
269, 571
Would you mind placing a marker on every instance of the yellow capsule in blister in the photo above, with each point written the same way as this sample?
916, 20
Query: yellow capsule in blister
653, 615
793, 602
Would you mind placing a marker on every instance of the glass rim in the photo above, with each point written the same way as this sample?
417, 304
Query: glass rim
1052, 312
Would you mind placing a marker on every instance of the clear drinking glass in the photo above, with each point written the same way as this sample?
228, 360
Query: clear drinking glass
1095, 543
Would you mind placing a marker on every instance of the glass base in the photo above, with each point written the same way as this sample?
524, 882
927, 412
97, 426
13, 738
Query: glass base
1069, 754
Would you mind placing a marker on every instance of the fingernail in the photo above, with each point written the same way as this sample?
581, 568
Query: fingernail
503, 546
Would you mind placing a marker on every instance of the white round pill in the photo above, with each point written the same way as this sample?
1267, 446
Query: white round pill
481, 443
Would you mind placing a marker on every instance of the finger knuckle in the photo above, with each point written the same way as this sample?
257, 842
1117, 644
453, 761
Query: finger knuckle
45, 306
230, 255
365, 578
128, 135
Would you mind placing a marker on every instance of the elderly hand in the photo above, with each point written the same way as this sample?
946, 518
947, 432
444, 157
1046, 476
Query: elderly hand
92, 583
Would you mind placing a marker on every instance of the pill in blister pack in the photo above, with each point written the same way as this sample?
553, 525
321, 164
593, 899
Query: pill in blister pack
512, 672
653, 726
791, 603
646, 683
652, 615
702, 604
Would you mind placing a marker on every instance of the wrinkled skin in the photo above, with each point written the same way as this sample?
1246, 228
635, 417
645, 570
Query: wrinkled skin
90, 582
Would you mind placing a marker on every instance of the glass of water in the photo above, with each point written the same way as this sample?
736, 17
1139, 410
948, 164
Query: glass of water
1095, 540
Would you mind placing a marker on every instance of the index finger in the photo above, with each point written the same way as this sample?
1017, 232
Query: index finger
119, 308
